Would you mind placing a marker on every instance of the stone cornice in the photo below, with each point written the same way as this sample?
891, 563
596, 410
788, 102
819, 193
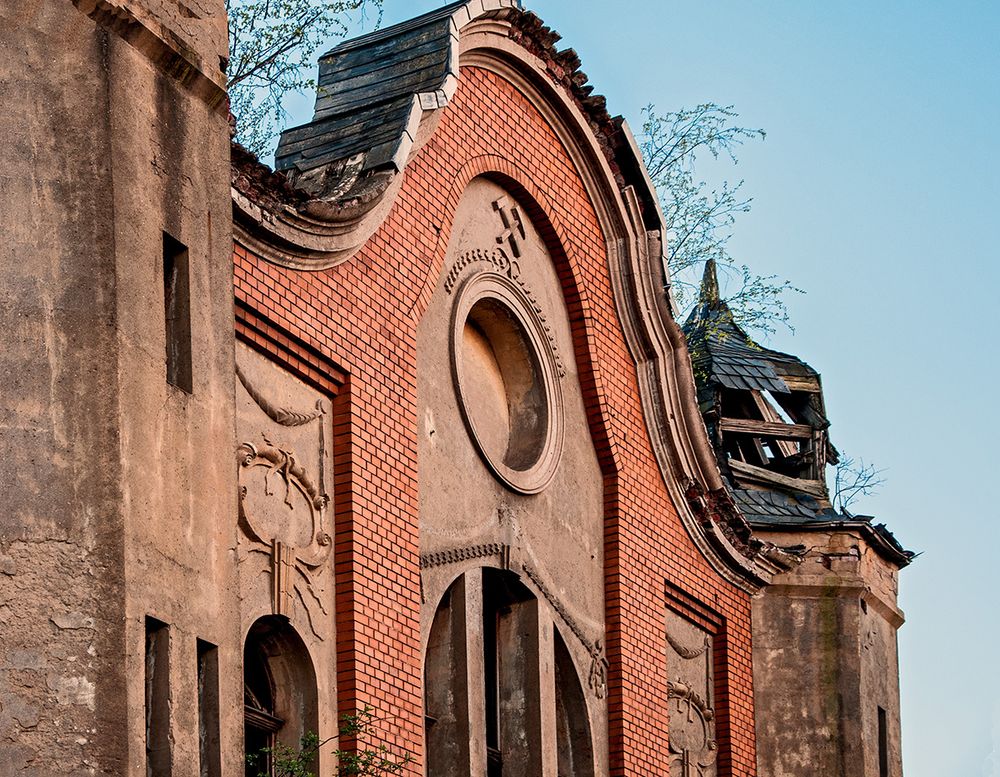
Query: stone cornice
161, 46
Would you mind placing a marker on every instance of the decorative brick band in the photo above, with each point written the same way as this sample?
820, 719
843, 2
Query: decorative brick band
457, 555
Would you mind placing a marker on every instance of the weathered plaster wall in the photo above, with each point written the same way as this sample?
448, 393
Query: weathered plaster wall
825, 660
196, 29
170, 154
880, 688
61, 526
118, 490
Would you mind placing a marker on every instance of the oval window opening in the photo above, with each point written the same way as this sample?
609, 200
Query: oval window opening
507, 380
504, 388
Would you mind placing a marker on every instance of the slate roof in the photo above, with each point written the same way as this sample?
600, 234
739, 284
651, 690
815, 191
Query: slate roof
723, 354
773, 507
371, 90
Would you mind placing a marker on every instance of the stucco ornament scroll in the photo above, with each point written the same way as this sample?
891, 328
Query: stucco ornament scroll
692, 745
283, 504
597, 675
505, 360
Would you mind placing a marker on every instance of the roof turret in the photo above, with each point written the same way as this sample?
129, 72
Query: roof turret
766, 418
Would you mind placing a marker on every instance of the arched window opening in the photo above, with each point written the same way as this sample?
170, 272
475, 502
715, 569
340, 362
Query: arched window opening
260, 724
442, 720
576, 753
279, 691
501, 690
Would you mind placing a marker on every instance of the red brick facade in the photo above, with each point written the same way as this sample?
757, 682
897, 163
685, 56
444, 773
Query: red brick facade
351, 330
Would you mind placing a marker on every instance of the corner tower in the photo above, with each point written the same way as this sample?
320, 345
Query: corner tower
825, 667
117, 475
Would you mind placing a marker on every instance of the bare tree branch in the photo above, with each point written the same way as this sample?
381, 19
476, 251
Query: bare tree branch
853, 479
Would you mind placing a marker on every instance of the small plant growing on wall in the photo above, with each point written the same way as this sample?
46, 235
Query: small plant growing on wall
368, 760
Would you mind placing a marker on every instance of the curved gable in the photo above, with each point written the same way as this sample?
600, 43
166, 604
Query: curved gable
365, 271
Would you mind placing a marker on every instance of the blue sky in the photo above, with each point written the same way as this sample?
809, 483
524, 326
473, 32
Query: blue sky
877, 192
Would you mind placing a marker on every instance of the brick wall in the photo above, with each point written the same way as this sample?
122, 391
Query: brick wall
362, 317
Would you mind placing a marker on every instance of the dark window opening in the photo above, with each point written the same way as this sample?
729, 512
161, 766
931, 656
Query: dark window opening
280, 703
491, 673
261, 725
439, 665
494, 662
209, 752
883, 744
158, 756
177, 313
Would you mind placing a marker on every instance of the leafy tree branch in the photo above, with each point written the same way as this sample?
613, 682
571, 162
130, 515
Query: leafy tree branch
271, 46
369, 758
700, 219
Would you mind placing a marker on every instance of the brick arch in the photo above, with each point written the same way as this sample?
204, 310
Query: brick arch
576, 242
491, 129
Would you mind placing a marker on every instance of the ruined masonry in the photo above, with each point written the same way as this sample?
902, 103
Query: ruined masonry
403, 428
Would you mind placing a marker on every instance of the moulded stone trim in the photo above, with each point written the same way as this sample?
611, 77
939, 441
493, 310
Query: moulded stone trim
638, 276
441, 558
312, 238
162, 47
502, 290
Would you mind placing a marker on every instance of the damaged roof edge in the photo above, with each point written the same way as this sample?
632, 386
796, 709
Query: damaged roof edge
364, 79
377, 86
324, 231
882, 540
332, 173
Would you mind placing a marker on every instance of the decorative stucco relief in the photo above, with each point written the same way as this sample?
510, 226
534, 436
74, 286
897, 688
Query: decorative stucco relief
690, 693
597, 676
496, 260
510, 233
283, 461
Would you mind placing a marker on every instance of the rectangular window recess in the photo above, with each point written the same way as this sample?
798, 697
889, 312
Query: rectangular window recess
177, 313
158, 755
209, 750
883, 744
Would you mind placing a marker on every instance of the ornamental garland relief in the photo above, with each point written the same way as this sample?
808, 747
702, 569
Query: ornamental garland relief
284, 471
690, 694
